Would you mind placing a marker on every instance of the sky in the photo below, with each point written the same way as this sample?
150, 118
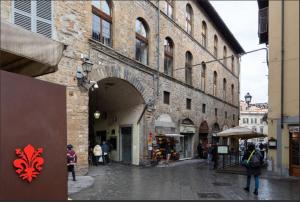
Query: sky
241, 17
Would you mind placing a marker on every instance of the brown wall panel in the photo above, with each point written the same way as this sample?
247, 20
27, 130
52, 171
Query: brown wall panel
32, 112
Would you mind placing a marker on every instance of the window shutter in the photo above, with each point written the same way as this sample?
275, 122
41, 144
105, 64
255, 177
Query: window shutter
263, 20
44, 17
34, 15
22, 14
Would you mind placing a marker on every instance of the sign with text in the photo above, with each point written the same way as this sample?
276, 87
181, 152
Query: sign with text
223, 149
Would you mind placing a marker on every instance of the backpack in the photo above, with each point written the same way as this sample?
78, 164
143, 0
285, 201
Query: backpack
254, 160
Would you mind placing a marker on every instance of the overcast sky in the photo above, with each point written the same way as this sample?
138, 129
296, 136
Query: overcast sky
241, 19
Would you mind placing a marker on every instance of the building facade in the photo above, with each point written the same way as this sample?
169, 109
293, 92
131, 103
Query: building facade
254, 118
151, 63
279, 29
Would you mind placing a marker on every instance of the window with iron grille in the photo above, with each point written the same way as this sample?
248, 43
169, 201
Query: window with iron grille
35, 16
188, 103
216, 112
203, 76
102, 21
203, 108
166, 97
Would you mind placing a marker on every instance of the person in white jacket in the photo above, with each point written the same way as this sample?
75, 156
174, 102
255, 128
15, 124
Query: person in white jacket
97, 153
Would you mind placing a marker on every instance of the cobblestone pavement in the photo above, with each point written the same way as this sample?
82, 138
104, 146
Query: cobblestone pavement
183, 181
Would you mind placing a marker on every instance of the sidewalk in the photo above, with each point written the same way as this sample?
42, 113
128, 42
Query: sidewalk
82, 182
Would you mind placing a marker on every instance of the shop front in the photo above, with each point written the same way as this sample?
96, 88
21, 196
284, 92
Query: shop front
188, 130
164, 142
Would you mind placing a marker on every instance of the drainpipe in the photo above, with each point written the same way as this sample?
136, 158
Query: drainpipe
158, 50
282, 60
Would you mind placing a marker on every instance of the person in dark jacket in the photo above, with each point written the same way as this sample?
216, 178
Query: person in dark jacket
105, 150
252, 169
71, 160
200, 150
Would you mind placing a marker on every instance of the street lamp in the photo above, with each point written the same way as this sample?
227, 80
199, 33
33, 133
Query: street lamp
82, 78
97, 114
248, 98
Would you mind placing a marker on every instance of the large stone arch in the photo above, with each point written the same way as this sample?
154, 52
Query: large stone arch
132, 76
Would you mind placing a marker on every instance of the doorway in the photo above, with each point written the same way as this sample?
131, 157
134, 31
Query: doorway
294, 154
126, 134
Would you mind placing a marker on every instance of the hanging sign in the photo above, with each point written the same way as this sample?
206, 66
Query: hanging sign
29, 163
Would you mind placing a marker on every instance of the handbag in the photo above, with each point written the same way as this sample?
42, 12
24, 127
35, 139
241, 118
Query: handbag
100, 159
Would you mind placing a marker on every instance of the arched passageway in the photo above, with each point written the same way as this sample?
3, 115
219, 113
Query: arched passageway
120, 106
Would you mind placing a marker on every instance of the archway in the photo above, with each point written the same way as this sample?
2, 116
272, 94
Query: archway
120, 106
187, 128
203, 133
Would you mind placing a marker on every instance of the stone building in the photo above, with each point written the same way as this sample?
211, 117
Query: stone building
279, 30
154, 65
253, 117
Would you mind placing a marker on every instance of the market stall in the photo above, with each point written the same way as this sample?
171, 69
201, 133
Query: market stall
160, 144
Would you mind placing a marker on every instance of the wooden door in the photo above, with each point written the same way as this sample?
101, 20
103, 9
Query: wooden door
294, 154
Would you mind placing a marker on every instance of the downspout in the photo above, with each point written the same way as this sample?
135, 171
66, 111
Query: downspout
158, 51
282, 61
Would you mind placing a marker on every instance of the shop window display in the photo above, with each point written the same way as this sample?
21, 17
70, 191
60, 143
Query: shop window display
162, 143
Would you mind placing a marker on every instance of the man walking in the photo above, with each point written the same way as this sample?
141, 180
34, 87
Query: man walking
105, 150
71, 160
200, 150
252, 160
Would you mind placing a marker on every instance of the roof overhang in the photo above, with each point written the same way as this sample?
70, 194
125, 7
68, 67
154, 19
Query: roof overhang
221, 26
28, 53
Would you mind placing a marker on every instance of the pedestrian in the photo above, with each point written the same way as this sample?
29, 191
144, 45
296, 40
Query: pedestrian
168, 152
215, 156
252, 160
71, 160
262, 150
105, 151
98, 154
210, 156
200, 150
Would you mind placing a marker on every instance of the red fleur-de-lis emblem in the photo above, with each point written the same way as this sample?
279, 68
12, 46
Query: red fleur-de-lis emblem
29, 164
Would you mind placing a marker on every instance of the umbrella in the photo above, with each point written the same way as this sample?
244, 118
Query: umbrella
240, 132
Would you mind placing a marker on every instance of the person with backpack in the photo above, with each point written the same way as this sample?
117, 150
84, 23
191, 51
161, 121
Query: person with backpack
252, 160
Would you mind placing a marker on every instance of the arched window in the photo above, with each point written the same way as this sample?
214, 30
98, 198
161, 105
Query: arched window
189, 19
102, 21
204, 34
232, 63
203, 76
224, 89
188, 67
232, 93
169, 8
216, 46
225, 55
215, 83
168, 60
141, 42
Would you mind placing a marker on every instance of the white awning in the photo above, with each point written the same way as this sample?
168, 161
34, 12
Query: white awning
27, 53
240, 132
174, 135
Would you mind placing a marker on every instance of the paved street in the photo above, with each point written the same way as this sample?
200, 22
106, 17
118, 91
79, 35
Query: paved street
185, 181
